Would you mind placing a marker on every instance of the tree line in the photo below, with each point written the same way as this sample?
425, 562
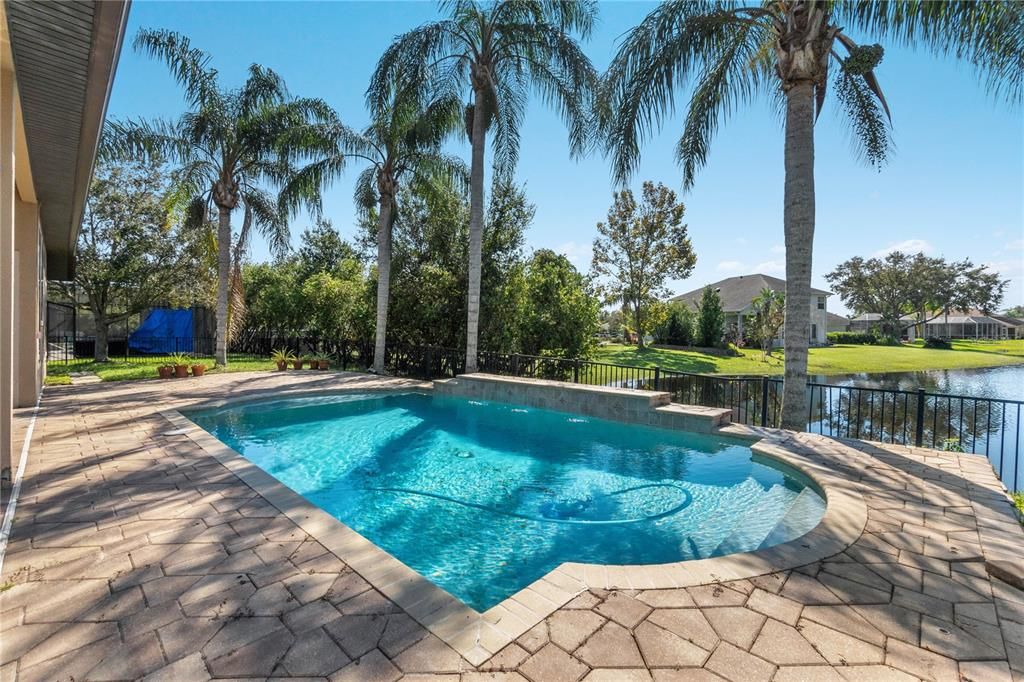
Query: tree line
264, 154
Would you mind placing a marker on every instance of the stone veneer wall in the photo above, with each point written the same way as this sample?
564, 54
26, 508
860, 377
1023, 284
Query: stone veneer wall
653, 408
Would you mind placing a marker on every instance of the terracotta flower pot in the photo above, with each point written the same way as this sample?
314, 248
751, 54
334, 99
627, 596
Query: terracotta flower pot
325, 364
282, 366
181, 371
198, 370
165, 371
296, 364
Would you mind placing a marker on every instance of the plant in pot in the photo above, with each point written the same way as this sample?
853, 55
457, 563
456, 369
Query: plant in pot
198, 369
297, 361
324, 361
180, 362
281, 357
314, 360
165, 371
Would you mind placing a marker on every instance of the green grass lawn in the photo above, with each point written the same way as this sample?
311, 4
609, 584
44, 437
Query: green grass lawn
58, 373
837, 359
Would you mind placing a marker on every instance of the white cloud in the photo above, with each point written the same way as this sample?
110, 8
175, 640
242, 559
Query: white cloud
906, 246
1015, 245
729, 266
778, 248
579, 255
771, 267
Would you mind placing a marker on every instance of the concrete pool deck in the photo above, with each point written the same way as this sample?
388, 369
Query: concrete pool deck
136, 552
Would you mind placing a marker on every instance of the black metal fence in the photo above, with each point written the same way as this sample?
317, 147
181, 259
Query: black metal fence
974, 424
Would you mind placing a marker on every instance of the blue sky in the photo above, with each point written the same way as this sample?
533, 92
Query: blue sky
953, 187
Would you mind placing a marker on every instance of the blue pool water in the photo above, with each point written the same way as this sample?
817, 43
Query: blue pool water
485, 498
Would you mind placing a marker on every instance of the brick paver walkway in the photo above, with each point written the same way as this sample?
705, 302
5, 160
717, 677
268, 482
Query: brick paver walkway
135, 554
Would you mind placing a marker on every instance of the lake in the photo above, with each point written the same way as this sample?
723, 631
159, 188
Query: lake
1005, 383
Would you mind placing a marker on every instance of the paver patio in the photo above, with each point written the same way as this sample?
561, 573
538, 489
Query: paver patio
136, 554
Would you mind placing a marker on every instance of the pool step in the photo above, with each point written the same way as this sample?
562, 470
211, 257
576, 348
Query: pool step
794, 523
753, 526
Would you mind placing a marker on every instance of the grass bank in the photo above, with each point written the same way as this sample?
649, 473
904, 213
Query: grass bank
837, 359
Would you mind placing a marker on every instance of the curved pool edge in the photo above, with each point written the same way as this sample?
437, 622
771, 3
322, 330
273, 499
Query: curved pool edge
844, 520
478, 636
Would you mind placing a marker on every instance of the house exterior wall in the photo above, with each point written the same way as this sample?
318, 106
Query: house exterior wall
7, 161
22, 267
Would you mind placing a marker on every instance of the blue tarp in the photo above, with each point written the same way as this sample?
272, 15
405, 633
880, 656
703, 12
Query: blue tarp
165, 330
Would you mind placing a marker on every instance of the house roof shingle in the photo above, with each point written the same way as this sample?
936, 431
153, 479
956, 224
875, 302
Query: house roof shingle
737, 292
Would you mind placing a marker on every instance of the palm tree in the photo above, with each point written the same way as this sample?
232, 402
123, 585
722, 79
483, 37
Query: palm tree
500, 50
231, 145
769, 308
789, 48
403, 141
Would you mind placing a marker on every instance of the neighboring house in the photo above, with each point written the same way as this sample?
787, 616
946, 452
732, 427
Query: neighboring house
738, 294
838, 323
57, 62
958, 324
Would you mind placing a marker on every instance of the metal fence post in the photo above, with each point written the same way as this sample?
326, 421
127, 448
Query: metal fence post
657, 378
919, 425
576, 371
515, 364
764, 401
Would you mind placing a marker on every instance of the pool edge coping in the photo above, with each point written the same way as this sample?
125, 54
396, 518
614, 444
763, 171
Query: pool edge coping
479, 636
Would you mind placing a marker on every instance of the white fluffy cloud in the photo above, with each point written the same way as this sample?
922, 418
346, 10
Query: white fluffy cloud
729, 266
906, 246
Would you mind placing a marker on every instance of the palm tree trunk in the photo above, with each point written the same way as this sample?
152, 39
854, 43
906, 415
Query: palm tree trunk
223, 283
476, 231
383, 281
798, 219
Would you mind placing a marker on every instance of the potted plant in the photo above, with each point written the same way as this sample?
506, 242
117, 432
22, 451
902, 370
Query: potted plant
180, 362
297, 361
165, 371
324, 361
282, 356
198, 369
314, 360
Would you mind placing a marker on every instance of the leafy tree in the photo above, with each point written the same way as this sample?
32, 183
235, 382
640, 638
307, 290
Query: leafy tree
336, 304
677, 328
131, 254
323, 249
402, 143
561, 311
789, 50
273, 299
639, 248
500, 50
769, 316
902, 284
502, 301
1016, 311
710, 319
232, 145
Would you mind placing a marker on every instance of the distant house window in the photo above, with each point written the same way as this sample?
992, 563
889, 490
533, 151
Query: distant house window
821, 303
814, 332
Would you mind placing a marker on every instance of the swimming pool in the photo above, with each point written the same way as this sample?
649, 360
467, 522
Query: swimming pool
484, 498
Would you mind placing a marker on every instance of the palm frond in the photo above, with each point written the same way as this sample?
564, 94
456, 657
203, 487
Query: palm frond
730, 78
990, 35
188, 65
668, 48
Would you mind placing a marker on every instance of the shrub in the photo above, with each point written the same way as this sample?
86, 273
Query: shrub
710, 319
677, 327
859, 338
887, 340
937, 342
